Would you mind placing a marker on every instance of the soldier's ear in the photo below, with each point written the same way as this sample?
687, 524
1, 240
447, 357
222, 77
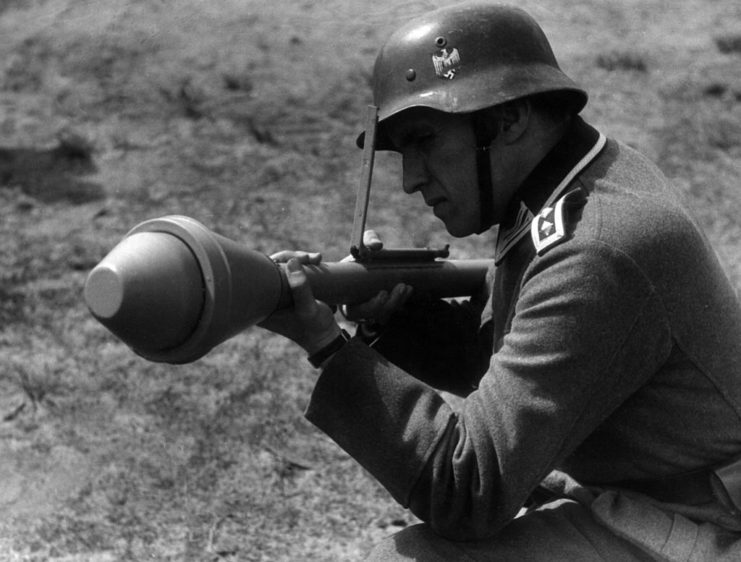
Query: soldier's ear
514, 119
507, 120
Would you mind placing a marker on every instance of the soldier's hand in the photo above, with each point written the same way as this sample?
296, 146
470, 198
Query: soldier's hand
309, 322
382, 307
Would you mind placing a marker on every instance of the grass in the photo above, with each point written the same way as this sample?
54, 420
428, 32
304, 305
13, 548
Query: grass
244, 117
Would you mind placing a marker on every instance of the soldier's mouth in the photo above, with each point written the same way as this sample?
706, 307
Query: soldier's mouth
439, 207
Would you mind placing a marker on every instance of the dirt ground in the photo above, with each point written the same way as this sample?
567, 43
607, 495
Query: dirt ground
243, 115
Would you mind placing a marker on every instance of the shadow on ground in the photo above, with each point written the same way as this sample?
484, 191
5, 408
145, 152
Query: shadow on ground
55, 174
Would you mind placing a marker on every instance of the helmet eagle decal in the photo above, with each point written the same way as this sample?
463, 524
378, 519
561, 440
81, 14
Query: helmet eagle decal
446, 62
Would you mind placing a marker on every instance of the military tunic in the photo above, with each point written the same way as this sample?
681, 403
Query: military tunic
611, 354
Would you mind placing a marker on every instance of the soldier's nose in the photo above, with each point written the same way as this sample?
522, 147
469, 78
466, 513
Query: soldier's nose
415, 173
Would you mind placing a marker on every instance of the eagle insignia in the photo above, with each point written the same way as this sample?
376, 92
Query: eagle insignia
446, 63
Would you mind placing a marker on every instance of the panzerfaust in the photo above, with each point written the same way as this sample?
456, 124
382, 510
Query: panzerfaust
172, 289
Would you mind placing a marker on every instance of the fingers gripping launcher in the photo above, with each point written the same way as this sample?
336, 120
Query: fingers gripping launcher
172, 289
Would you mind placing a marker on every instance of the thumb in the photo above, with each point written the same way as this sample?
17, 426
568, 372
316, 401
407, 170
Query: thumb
303, 298
372, 240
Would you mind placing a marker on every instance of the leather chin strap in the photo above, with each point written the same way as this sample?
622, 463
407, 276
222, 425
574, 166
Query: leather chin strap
484, 138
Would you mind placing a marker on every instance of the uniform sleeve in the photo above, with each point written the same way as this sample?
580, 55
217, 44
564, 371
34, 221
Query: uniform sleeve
588, 331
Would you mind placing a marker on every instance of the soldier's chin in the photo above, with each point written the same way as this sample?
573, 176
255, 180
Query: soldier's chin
457, 229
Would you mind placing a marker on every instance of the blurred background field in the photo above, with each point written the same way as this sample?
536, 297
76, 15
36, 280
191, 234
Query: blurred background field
243, 115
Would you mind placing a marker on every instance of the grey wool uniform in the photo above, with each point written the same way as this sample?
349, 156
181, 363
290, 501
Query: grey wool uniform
605, 351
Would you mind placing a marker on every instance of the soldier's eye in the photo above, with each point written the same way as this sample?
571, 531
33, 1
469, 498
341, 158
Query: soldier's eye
418, 140
424, 141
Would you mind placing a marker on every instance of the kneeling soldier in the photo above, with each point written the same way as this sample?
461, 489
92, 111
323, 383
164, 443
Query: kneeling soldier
601, 365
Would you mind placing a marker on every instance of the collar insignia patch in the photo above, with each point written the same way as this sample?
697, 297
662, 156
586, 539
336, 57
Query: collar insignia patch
446, 63
547, 228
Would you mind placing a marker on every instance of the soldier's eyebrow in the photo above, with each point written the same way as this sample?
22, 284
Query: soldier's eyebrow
410, 133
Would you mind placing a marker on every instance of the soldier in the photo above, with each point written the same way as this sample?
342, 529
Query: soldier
600, 369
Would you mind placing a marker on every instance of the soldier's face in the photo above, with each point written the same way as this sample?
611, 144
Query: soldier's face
439, 161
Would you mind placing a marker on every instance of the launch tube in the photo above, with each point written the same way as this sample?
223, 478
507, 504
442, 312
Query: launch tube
172, 289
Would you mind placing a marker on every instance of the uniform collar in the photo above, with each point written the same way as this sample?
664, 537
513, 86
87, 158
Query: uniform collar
572, 153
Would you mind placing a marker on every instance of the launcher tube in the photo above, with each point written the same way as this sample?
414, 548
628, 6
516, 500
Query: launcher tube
353, 282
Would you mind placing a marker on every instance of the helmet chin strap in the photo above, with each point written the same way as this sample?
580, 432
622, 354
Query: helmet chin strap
484, 138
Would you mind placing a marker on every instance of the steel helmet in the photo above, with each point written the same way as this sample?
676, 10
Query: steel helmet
463, 58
